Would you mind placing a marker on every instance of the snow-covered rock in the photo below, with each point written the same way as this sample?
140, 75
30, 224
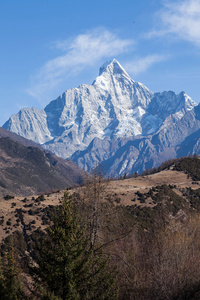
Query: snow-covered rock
93, 123
30, 123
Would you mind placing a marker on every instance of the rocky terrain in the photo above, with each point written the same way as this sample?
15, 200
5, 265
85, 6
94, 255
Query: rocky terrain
116, 122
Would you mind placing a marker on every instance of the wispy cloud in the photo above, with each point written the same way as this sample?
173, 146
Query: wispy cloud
181, 18
77, 54
142, 64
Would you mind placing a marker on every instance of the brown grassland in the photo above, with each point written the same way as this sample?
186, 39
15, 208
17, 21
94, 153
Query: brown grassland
149, 226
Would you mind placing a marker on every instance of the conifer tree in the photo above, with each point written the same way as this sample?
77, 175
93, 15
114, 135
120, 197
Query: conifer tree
67, 264
10, 279
2, 280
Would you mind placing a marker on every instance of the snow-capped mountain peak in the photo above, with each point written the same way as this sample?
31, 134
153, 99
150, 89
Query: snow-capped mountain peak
87, 119
113, 79
113, 67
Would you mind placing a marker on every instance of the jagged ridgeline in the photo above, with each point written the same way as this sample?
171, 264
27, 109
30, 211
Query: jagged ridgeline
116, 122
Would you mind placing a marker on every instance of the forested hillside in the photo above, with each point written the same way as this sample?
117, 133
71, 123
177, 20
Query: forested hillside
142, 233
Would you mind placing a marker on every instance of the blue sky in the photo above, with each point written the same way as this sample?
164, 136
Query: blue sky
48, 46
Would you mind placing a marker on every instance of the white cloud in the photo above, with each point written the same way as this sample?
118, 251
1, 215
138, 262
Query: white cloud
181, 18
142, 64
83, 51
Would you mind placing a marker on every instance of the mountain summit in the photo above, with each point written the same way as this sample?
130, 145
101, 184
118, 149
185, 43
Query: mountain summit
110, 121
113, 67
113, 105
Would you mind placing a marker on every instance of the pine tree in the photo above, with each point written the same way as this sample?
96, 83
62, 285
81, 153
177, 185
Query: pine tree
67, 264
2, 281
10, 279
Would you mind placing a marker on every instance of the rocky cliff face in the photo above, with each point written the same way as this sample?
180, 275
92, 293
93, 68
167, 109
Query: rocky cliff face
116, 122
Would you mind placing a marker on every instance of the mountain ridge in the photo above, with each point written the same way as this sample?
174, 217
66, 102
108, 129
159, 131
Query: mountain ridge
113, 110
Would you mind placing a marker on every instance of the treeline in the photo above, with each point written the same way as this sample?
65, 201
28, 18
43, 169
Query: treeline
190, 165
164, 165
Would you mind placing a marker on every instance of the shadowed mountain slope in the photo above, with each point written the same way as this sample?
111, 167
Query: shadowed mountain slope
27, 169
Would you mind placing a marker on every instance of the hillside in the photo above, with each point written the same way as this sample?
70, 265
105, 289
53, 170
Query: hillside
130, 193
139, 220
27, 169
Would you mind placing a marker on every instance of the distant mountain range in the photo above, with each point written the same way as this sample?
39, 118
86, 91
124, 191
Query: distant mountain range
115, 122
27, 169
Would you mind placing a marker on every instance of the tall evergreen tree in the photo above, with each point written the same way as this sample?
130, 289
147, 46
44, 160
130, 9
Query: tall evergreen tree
68, 265
2, 280
10, 276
